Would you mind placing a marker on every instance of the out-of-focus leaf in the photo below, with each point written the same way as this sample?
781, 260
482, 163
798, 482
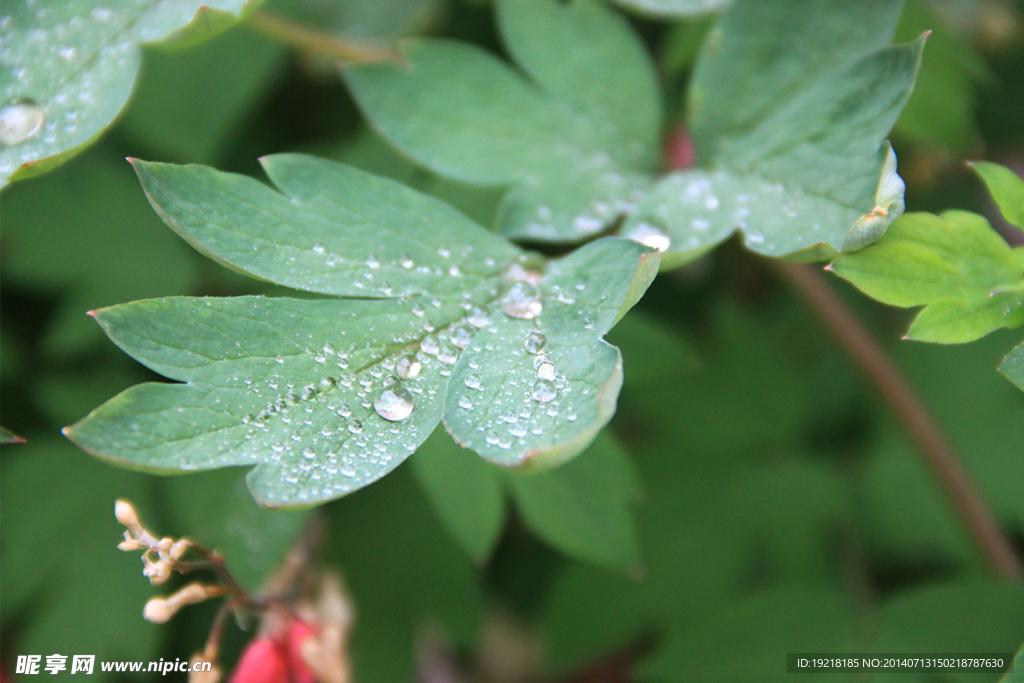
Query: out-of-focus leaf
906, 517
1017, 675
652, 351
941, 110
1013, 366
1006, 187
955, 264
360, 19
86, 234
748, 640
60, 558
964, 616
404, 574
188, 104
69, 68
584, 507
9, 437
215, 510
673, 8
465, 491
790, 106
574, 143
326, 396
683, 43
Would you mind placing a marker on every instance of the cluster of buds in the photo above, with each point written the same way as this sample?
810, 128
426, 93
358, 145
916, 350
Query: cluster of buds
160, 558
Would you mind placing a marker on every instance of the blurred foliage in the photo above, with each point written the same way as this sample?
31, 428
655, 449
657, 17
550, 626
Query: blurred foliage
774, 506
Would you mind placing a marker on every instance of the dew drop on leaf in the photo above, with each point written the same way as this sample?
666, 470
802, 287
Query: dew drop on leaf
546, 371
20, 121
394, 404
461, 337
472, 380
523, 301
535, 342
649, 236
430, 345
355, 426
327, 384
408, 367
544, 391
448, 354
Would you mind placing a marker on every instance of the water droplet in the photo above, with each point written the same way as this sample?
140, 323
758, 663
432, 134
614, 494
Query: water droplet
448, 354
465, 402
546, 371
408, 367
417, 310
19, 121
308, 452
649, 236
327, 384
318, 248
246, 419
329, 349
292, 398
307, 392
279, 359
373, 262
535, 342
544, 391
430, 345
454, 271
394, 404
472, 380
344, 410
355, 426
478, 318
406, 262
523, 301
461, 337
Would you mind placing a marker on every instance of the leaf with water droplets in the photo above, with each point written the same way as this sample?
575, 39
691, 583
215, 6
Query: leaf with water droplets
955, 265
585, 508
791, 104
324, 396
536, 389
575, 144
69, 68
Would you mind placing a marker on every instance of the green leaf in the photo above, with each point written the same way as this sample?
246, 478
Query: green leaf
654, 352
325, 396
583, 508
1006, 187
954, 264
68, 70
1017, 674
535, 391
60, 557
465, 492
85, 235
574, 144
790, 105
673, 8
1013, 366
360, 19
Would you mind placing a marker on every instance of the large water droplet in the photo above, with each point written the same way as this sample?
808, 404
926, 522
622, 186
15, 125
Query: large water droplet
472, 380
448, 354
430, 345
20, 121
408, 367
544, 391
461, 337
535, 342
355, 426
546, 371
326, 384
650, 236
478, 318
523, 301
394, 404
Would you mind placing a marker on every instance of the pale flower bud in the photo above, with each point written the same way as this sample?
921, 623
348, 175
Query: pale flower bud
157, 572
160, 610
126, 515
157, 611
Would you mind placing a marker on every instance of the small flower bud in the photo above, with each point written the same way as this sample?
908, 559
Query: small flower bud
157, 611
157, 572
179, 549
160, 610
126, 515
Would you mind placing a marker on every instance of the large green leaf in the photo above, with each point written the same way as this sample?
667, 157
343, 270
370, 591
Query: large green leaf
574, 143
790, 106
584, 508
69, 67
967, 277
673, 8
60, 558
325, 396
360, 18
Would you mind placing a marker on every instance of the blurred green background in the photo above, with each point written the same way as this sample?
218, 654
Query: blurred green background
780, 508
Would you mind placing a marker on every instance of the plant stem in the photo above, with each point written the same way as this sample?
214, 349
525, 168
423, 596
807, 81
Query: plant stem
316, 42
908, 408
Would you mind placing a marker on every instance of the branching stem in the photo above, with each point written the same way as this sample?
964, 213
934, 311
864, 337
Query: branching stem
908, 408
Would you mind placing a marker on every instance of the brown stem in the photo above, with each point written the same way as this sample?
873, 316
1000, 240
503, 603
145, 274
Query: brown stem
308, 40
910, 411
